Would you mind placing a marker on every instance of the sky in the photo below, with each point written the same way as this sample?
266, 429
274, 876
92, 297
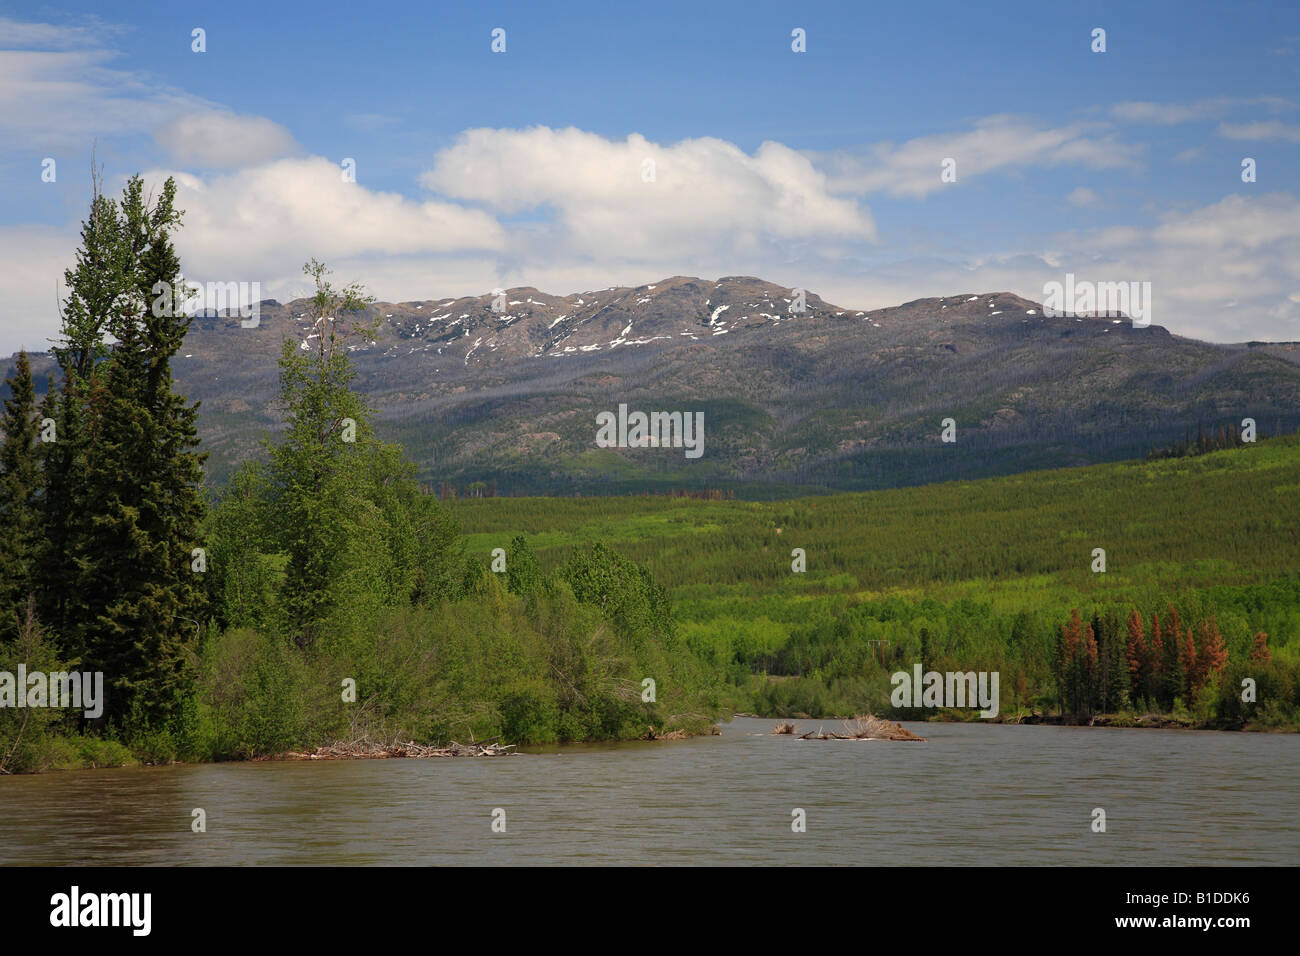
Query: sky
619, 144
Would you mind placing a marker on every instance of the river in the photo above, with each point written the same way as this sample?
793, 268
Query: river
972, 794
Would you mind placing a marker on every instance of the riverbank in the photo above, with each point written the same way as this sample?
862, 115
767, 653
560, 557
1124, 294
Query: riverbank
1121, 719
91, 753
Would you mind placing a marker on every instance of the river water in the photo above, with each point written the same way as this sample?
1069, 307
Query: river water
971, 794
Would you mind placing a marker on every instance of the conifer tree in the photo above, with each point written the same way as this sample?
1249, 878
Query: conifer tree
20, 481
1188, 663
96, 288
1173, 673
123, 483
1139, 663
1211, 652
147, 474
1157, 658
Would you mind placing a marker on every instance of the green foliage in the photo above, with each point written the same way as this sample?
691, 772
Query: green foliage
355, 531
253, 692
121, 506
624, 591
26, 733
19, 498
961, 576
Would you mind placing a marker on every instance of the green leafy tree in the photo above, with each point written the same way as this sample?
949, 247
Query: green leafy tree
356, 529
523, 573
624, 591
243, 578
318, 498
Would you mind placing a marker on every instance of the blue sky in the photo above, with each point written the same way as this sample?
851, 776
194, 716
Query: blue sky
819, 169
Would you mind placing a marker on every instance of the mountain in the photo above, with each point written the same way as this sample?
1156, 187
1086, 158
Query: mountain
793, 401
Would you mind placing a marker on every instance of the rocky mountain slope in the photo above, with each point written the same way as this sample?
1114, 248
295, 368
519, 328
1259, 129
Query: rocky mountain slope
828, 397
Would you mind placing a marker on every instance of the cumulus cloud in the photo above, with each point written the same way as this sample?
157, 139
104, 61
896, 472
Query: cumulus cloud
639, 199
276, 215
1225, 272
911, 169
568, 210
68, 90
1228, 271
216, 139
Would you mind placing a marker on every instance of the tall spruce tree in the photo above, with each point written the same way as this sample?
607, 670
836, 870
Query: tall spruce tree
125, 505
20, 481
96, 286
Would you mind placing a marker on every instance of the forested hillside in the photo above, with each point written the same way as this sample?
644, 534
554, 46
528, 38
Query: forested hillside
970, 576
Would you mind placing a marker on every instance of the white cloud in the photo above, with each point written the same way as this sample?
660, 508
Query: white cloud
1240, 250
1169, 114
90, 32
271, 218
997, 142
707, 195
68, 91
1225, 272
31, 284
1264, 130
1082, 196
218, 139
67, 98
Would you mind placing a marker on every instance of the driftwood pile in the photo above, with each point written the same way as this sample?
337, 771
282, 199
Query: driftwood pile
866, 727
679, 734
369, 750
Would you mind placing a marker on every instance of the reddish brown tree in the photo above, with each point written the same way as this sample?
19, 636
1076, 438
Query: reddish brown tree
1212, 653
1139, 664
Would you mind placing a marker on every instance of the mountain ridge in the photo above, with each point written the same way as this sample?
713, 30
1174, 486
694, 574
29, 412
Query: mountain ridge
827, 398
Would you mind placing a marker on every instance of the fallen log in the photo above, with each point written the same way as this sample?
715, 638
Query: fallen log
369, 750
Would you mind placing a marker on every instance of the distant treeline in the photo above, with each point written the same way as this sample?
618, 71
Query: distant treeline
1107, 665
1226, 436
450, 491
